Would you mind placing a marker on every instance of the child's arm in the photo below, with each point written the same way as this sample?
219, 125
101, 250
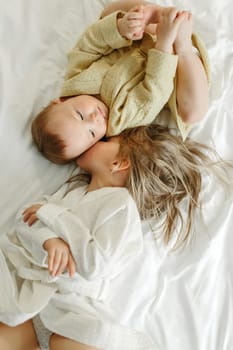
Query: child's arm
145, 100
116, 237
32, 238
99, 40
36, 238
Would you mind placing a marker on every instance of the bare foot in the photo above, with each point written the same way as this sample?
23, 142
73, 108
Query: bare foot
167, 29
183, 41
152, 13
151, 28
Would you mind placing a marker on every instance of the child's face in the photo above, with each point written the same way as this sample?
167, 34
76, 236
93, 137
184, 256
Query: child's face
80, 121
100, 156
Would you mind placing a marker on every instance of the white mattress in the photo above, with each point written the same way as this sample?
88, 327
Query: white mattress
183, 300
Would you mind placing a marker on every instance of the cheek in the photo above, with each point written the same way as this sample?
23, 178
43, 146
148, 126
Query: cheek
101, 130
87, 158
83, 160
100, 134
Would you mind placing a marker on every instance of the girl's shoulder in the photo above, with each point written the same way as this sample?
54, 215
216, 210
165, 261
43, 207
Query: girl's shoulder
113, 197
118, 193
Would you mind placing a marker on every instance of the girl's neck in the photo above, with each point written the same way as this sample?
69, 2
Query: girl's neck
97, 183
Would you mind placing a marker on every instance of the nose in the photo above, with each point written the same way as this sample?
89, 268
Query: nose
94, 116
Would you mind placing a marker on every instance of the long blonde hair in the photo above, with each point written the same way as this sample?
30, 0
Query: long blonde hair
165, 170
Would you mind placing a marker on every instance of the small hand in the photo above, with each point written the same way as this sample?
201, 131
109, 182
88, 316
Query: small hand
132, 25
29, 214
60, 257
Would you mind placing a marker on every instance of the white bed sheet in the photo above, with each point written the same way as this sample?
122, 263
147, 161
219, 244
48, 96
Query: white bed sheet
183, 300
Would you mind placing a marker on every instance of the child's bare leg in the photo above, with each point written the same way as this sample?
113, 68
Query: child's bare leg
192, 85
57, 342
22, 337
123, 5
151, 10
152, 13
167, 30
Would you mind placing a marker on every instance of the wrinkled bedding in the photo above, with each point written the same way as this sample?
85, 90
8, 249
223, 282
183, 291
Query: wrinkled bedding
182, 299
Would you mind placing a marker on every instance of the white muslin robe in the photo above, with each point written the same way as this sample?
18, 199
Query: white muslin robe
103, 230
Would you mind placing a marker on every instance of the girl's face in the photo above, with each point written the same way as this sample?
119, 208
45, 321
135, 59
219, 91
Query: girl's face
100, 156
80, 121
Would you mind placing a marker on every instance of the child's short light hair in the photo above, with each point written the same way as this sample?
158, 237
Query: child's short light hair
48, 143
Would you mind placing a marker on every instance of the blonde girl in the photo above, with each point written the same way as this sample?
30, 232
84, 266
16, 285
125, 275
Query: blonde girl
93, 230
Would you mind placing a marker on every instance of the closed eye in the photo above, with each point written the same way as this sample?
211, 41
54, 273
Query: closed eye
92, 133
80, 115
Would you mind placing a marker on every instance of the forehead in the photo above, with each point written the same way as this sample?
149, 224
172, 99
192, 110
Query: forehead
81, 100
61, 119
71, 132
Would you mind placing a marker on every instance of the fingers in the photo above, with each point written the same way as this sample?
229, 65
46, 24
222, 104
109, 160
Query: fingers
135, 14
60, 264
51, 257
190, 16
137, 9
173, 14
31, 219
29, 214
138, 35
59, 261
180, 17
71, 265
133, 23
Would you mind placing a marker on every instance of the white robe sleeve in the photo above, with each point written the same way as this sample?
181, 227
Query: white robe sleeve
99, 40
33, 237
115, 239
141, 104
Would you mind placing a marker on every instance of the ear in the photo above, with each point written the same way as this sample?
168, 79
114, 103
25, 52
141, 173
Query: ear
120, 164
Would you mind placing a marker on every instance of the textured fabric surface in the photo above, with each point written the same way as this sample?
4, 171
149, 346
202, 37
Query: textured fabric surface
103, 229
132, 78
183, 300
